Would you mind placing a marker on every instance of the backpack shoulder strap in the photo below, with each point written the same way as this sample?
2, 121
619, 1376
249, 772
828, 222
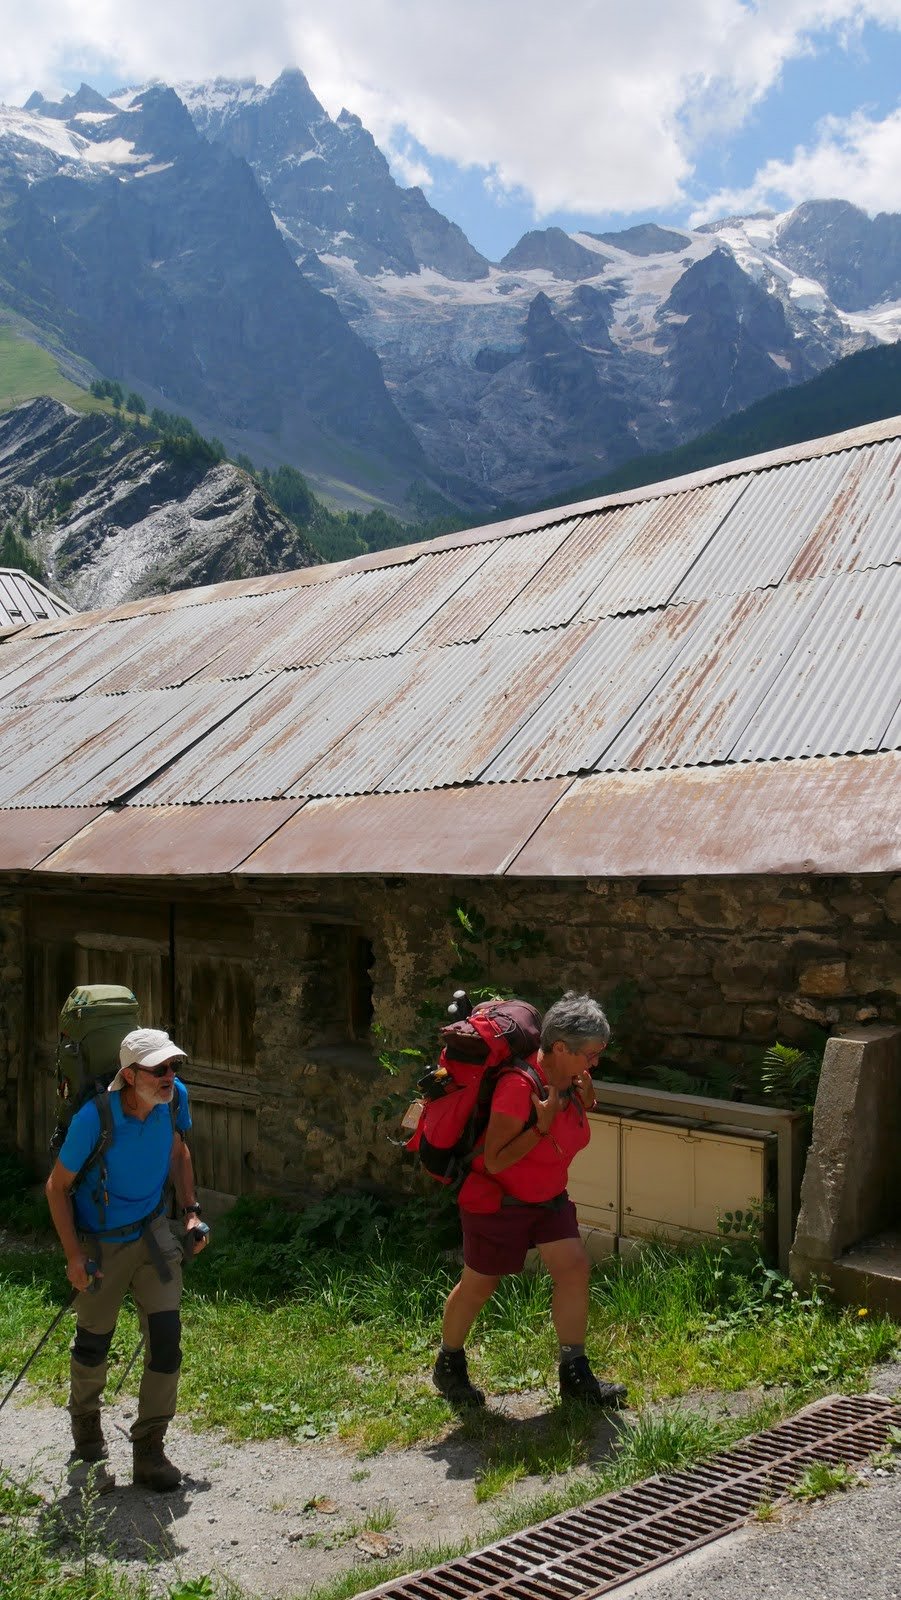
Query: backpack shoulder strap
103, 1103
533, 1078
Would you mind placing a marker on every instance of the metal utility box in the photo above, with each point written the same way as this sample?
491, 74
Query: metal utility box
672, 1165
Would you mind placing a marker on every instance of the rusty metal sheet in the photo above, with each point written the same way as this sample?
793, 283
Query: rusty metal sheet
464, 832
26, 837
492, 589
573, 571
838, 691
280, 635
246, 742
86, 660
666, 546
63, 750
52, 650
202, 717
447, 718
770, 524
432, 584
831, 815
861, 527
705, 699
171, 648
323, 712
170, 841
619, 662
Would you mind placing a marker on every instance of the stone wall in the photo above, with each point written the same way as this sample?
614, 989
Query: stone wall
716, 969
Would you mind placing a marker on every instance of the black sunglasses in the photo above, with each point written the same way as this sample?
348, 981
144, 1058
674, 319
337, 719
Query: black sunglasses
157, 1072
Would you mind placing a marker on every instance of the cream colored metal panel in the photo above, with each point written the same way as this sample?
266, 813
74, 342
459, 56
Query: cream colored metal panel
675, 1180
593, 1183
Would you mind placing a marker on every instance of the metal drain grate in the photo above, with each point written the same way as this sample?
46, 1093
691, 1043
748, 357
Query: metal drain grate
583, 1553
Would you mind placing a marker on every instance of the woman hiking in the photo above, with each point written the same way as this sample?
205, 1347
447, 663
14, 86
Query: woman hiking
514, 1198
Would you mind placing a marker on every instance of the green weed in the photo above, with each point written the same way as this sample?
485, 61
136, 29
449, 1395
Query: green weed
821, 1479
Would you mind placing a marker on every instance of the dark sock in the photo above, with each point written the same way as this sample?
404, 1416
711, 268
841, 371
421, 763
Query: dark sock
569, 1352
451, 1349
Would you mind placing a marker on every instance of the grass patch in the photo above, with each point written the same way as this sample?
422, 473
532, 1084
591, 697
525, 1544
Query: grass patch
821, 1479
315, 1339
27, 371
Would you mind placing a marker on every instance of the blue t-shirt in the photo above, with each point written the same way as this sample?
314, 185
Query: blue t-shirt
137, 1161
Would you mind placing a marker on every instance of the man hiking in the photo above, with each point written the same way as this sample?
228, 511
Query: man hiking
109, 1209
515, 1198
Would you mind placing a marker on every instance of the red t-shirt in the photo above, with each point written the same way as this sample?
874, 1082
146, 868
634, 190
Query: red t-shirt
542, 1172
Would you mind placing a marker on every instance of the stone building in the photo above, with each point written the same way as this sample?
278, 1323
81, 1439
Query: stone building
646, 745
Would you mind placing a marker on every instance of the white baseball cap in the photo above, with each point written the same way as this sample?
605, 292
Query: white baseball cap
145, 1047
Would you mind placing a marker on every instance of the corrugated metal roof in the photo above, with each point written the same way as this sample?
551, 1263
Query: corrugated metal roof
23, 601
840, 688
169, 841
26, 837
825, 816
746, 619
466, 832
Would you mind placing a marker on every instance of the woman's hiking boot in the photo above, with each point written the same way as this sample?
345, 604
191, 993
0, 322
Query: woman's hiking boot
151, 1465
450, 1376
578, 1382
87, 1463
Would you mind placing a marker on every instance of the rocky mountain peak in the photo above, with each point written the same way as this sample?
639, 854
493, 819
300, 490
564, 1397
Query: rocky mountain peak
554, 251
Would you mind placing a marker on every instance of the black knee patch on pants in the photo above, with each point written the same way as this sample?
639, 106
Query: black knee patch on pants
91, 1349
163, 1341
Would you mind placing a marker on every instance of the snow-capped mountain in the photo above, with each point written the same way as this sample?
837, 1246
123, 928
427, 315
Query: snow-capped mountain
575, 351
151, 252
514, 380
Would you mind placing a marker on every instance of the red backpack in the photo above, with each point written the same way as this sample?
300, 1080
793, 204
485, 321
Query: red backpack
455, 1096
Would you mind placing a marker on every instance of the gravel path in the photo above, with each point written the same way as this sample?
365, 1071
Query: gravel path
249, 1511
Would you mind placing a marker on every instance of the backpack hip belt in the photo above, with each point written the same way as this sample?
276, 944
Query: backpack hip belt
556, 1202
144, 1225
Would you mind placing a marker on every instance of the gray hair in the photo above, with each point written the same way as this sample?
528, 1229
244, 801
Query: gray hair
574, 1019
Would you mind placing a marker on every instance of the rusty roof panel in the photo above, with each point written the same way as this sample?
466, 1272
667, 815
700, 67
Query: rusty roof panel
838, 692
26, 837
282, 631
862, 525
555, 590
324, 710
169, 841
249, 739
432, 584
45, 736
65, 747
16, 683
170, 649
618, 664
770, 524
447, 718
88, 658
197, 719
491, 591
829, 815
454, 831
664, 549
708, 694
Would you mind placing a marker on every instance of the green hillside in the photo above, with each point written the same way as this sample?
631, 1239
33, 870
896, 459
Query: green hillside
862, 388
27, 371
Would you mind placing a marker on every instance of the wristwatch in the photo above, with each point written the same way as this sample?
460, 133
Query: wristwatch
193, 1210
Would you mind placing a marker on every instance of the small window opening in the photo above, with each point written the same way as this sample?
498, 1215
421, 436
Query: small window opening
340, 998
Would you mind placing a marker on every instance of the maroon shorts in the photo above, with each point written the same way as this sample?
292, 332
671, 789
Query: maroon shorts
497, 1242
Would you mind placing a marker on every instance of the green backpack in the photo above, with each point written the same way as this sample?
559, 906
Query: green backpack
92, 1024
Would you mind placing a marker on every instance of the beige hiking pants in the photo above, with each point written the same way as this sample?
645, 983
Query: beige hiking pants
128, 1267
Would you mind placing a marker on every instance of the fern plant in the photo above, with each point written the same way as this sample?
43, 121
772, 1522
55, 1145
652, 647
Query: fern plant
790, 1076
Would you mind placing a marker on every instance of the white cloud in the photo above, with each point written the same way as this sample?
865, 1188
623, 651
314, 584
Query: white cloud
406, 166
588, 105
855, 158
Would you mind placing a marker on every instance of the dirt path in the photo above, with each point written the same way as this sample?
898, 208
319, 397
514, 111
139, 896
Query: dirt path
245, 1510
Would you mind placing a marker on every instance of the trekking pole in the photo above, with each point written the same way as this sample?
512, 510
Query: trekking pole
92, 1270
202, 1232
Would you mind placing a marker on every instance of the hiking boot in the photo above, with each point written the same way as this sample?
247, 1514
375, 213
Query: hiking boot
578, 1382
151, 1466
87, 1438
451, 1378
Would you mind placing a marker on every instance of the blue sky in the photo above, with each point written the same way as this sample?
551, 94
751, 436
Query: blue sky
515, 115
